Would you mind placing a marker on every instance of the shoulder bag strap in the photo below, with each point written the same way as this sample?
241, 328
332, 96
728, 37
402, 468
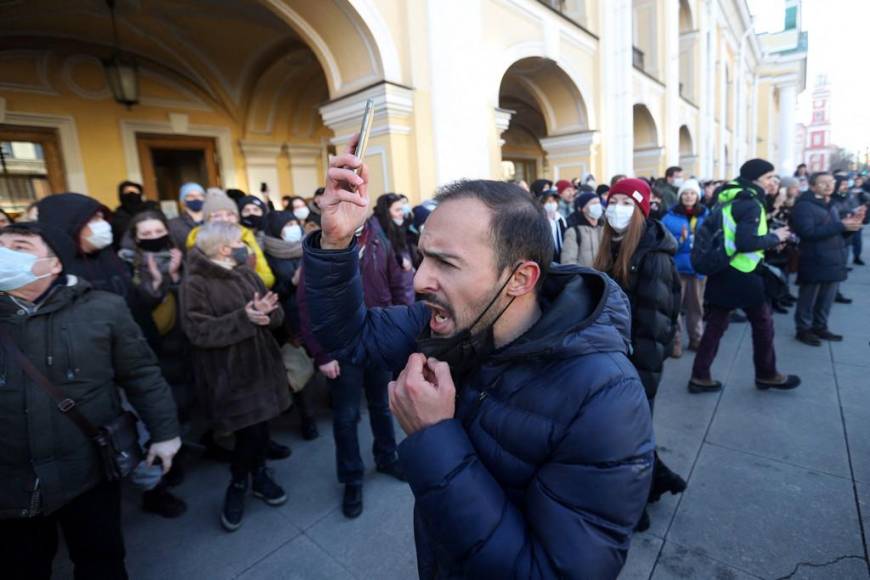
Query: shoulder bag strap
64, 404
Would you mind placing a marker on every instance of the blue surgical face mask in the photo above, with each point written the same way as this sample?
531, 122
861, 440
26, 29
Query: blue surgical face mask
16, 269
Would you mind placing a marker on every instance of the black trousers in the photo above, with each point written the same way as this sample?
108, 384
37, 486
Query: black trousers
250, 451
91, 525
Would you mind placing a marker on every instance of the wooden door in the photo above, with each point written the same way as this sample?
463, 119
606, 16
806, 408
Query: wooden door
168, 160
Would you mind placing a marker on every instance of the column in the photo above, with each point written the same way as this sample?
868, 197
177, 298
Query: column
261, 166
706, 138
787, 107
616, 79
502, 122
464, 141
305, 168
671, 127
389, 152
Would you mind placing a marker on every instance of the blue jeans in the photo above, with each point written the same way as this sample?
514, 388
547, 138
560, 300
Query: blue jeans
857, 245
347, 391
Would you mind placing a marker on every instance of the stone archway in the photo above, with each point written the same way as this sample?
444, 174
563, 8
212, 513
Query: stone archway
253, 77
544, 122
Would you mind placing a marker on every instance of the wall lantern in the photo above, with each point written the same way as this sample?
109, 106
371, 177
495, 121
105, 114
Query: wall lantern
122, 71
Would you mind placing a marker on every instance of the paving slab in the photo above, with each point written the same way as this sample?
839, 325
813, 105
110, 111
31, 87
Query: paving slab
300, 559
755, 514
782, 425
378, 544
641, 558
679, 562
858, 432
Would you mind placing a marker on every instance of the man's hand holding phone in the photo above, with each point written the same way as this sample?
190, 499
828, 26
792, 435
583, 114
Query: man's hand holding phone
345, 202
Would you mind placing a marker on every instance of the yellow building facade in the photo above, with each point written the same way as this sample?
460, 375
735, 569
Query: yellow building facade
256, 94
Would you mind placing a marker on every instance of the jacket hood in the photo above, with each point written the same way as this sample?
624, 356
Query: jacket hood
274, 222
657, 238
69, 212
583, 312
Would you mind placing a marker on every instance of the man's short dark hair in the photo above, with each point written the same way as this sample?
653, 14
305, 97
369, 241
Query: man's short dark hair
815, 176
519, 227
669, 172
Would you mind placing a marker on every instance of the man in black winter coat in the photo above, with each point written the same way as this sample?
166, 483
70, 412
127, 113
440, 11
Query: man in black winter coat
85, 343
823, 257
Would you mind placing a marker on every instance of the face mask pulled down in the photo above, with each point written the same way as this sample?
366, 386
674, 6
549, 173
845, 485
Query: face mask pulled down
465, 350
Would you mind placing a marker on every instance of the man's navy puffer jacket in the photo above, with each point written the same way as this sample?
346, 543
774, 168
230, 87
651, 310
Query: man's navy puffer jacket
546, 468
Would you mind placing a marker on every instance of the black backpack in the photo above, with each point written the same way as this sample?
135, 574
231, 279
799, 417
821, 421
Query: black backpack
708, 251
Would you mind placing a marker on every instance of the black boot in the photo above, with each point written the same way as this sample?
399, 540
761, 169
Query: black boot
352, 503
665, 480
234, 504
276, 451
840, 299
266, 489
643, 524
159, 501
308, 425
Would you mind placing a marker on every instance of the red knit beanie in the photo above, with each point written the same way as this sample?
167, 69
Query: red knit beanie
562, 185
636, 189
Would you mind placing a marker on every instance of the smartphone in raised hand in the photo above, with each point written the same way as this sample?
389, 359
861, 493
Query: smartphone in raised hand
365, 129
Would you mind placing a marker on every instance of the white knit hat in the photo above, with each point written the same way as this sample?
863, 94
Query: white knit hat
691, 185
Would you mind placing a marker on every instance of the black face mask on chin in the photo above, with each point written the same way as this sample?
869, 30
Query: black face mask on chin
464, 352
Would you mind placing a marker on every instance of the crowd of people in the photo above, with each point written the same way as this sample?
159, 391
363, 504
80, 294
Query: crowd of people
518, 334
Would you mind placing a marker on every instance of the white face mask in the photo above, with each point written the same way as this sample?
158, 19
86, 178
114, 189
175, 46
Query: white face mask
16, 269
291, 233
678, 181
619, 216
594, 210
550, 207
398, 221
101, 234
301, 213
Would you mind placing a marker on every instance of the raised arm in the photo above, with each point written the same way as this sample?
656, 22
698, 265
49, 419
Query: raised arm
333, 288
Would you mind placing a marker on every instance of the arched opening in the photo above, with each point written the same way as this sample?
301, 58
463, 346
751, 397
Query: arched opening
228, 92
547, 125
689, 47
644, 35
688, 157
647, 148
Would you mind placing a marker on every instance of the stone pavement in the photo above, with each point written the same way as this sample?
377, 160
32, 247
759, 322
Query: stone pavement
779, 484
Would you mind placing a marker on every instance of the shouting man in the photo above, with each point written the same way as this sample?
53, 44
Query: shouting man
530, 445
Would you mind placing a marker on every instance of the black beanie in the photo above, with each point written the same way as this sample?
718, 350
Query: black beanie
755, 168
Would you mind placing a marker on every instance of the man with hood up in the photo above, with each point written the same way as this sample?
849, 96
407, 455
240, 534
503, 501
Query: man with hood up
84, 220
130, 196
530, 445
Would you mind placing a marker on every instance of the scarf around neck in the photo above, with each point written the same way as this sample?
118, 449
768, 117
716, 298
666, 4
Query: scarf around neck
278, 248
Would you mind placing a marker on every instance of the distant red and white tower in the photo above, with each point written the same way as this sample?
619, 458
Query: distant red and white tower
818, 147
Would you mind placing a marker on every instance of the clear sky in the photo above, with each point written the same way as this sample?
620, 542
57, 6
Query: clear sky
838, 33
